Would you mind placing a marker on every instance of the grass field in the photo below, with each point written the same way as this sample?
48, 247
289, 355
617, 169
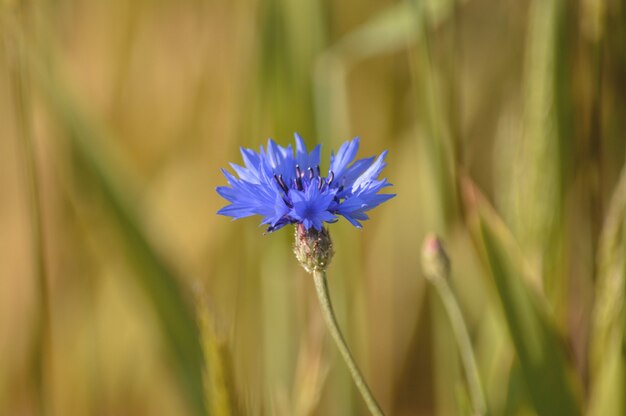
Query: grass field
123, 293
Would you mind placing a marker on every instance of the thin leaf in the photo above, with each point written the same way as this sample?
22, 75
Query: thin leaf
389, 31
542, 151
607, 361
540, 352
218, 375
153, 274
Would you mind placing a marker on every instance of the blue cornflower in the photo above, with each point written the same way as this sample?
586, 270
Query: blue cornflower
287, 188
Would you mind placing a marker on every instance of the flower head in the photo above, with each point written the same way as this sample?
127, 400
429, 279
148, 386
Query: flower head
286, 187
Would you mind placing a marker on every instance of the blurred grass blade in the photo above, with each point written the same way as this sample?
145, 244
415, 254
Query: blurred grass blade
607, 361
541, 153
396, 28
430, 93
20, 83
152, 273
389, 31
291, 35
218, 375
539, 350
311, 373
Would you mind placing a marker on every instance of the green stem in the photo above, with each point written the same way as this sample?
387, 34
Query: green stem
465, 346
321, 286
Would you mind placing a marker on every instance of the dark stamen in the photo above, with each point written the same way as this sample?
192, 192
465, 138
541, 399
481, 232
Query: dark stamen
298, 183
281, 183
298, 179
318, 170
331, 177
310, 173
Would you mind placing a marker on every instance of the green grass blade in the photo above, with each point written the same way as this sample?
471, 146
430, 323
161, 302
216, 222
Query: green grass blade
539, 350
436, 133
607, 361
153, 274
388, 31
542, 151
391, 30
398, 27
218, 375
20, 83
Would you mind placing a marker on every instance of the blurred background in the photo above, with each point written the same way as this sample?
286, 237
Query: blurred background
122, 293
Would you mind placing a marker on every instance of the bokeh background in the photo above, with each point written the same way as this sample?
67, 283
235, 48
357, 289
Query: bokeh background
122, 293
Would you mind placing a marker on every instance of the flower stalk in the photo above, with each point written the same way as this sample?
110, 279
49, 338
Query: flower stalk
323, 295
436, 266
314, 251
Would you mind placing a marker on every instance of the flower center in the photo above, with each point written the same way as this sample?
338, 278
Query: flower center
301, 180
308, 211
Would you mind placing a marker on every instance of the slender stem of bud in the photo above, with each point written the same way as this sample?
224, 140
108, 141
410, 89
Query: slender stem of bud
463, 340
321, 287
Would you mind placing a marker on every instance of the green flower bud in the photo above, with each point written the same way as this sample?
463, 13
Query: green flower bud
313, 249
435, 262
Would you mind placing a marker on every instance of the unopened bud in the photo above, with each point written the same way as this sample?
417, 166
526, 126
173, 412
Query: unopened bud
313, 249
435, 262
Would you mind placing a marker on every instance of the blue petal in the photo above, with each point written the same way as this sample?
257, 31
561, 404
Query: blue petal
314, 157
236, 211
306, 160
302, 156
355, 170
311, 206
344, 156
227, 193
352, 221
280, 160
245, 173
251, 159
372, 172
